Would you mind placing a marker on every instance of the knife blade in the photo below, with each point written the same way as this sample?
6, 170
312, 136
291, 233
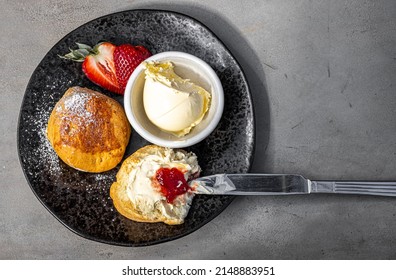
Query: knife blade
284, 184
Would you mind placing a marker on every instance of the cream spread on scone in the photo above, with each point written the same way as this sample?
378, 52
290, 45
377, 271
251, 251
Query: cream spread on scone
143, 189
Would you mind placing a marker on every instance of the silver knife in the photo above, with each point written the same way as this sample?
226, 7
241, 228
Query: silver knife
284, 184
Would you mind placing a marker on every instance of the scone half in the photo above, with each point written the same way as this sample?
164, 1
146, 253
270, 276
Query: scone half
135, 194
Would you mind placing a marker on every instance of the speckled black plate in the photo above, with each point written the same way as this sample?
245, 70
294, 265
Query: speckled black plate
81, 200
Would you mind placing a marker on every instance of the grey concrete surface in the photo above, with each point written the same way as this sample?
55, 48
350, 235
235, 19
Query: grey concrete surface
323, 79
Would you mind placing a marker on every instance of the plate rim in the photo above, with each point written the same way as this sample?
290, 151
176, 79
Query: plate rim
190, 230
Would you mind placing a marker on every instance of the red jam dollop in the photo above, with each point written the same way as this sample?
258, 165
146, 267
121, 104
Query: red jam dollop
172, 183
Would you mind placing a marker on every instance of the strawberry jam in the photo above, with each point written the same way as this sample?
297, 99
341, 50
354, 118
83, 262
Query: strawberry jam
172, 183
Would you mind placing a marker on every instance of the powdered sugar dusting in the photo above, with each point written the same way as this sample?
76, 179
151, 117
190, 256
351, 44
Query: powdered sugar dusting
77, 107
43, 150
76, 104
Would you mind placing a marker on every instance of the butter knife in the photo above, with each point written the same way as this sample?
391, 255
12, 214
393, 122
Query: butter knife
284, 184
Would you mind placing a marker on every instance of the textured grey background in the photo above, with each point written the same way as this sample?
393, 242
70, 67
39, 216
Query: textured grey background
322, 75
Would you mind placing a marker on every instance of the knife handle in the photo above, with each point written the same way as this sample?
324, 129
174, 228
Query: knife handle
354, 187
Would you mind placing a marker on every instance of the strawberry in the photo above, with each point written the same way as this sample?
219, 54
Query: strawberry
126, 59
107, 65
97, 64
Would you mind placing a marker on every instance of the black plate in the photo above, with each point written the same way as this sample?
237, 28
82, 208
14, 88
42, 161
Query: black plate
81, 200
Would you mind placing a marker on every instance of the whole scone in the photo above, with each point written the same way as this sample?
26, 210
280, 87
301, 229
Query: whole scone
88, 130
137, 194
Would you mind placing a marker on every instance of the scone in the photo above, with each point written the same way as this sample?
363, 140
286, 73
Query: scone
88, 130
152, 185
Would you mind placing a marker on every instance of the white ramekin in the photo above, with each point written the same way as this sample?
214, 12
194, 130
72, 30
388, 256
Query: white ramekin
188, 67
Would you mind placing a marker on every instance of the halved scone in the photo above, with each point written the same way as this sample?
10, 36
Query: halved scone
151, 185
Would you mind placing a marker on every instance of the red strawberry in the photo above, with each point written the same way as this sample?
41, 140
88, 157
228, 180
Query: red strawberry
98, 64
107, 65
126, 59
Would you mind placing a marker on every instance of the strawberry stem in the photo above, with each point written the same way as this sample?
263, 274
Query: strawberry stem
80, 53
